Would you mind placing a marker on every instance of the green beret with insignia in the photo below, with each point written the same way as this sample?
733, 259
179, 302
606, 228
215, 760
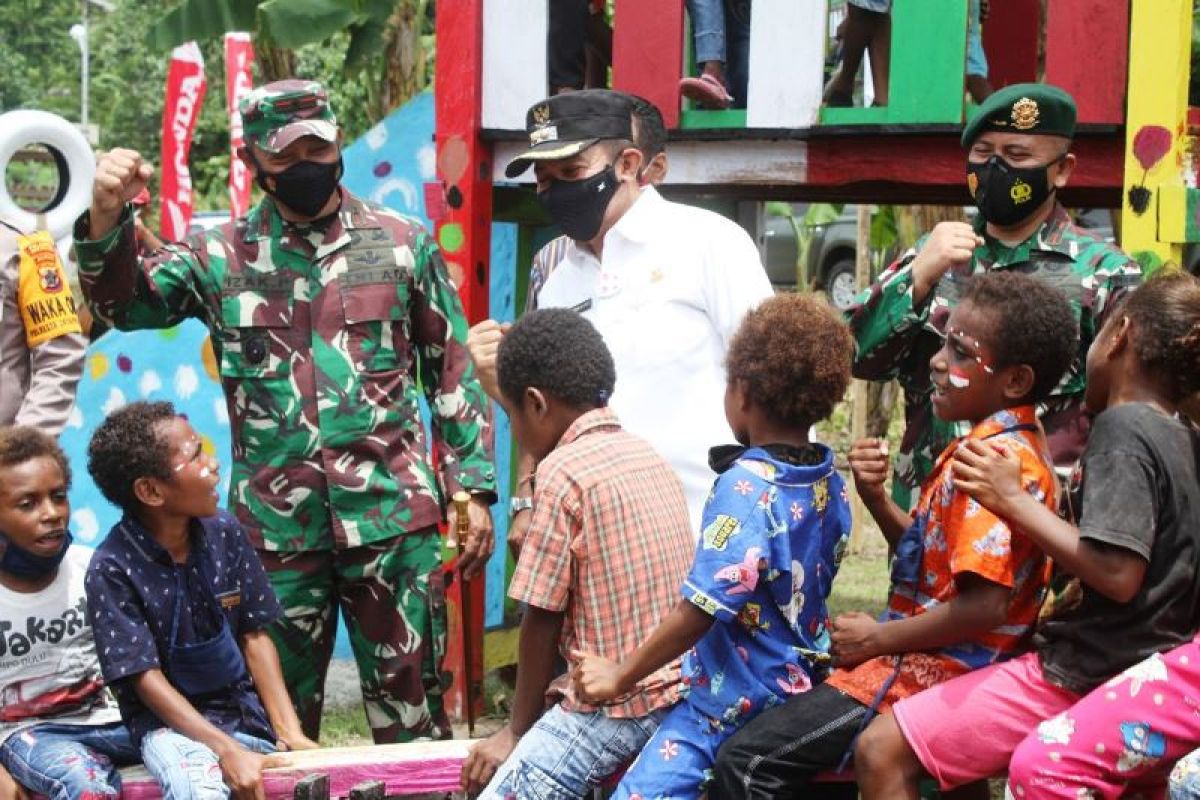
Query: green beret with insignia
1033, 108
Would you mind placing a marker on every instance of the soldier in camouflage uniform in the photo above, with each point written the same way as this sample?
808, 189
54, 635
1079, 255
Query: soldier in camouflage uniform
329, 317
1019, 155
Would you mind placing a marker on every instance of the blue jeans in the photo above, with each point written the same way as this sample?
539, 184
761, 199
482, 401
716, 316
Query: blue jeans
721, 32
1185, 778
65, 762
565, 754
188, 770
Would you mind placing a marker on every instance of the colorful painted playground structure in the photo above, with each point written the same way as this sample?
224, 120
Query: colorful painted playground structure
1126, 63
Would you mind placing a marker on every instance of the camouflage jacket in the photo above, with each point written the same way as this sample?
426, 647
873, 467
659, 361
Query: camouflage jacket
897, 340
322, 338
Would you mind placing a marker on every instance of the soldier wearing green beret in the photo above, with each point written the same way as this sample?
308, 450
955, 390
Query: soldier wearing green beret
1018, 157
330, 317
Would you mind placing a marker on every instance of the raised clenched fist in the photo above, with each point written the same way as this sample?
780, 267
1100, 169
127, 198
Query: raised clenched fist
120, 175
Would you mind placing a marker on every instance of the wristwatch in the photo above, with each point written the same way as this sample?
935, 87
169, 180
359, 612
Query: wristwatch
518, 504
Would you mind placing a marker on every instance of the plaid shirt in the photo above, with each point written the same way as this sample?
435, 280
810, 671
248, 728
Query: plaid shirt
609, 544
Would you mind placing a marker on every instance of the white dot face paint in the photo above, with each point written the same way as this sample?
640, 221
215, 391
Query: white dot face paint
205, 472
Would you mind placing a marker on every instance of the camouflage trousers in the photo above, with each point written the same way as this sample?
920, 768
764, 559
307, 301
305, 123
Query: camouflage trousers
392, 596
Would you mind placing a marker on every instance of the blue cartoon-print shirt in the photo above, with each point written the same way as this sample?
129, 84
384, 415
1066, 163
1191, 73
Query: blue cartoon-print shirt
773, 536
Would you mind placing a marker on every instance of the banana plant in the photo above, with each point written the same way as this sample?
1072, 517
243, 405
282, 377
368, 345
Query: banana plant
386, 39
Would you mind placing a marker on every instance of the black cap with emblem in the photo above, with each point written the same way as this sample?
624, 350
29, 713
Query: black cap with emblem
567, 124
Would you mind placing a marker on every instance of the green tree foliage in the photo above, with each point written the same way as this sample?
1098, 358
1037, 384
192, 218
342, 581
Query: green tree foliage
40, 68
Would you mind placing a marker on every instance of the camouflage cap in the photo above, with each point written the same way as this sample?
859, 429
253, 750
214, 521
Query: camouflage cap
1030, 108
279, 113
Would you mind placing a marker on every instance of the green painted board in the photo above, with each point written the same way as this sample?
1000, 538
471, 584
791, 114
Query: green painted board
729, 118
929, 56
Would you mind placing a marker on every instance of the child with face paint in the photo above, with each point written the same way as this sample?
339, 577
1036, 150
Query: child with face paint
60, 731
1095, 708
180, 604
965, 585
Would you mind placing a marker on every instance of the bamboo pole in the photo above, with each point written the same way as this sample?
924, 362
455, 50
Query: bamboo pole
858, 389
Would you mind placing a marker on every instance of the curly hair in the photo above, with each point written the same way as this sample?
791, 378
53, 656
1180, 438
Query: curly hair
128, 445
1165, 312
1032, 324
20, 443
793, 354
560, 353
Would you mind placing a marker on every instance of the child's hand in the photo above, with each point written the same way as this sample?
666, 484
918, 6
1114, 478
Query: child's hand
485, 758
296, 741
988, 472
855, 638
869, 465
9, 788
242, 771
483, 344
596, 679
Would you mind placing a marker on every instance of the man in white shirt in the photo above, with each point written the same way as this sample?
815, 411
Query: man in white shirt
665, 284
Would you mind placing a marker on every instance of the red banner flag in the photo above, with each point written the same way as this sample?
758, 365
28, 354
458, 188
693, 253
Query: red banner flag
186, 85
239, 55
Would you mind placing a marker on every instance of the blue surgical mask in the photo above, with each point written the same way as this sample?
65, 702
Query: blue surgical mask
21, 563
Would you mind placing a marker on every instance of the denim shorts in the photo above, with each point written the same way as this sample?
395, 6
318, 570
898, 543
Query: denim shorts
63, 762
188, 770
565, 754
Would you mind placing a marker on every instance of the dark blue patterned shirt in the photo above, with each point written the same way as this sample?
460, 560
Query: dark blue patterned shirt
132, 586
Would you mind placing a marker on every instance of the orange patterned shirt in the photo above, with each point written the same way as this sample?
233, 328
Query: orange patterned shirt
961, 536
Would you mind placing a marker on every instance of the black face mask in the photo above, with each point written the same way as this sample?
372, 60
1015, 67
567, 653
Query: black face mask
578, 207
1005, 194
304, 187
21, 563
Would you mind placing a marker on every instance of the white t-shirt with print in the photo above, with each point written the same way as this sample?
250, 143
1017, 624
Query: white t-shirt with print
672, 287
49, 671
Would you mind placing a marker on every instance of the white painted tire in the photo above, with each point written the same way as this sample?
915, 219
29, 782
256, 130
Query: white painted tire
76, 168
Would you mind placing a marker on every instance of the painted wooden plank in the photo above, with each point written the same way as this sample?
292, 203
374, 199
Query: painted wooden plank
1159, 67
648, 52
1010, 40
502, 293
404, 769
1177, 207
464, 169
787, 57
703, 118
870, 167
514, 60
929, 56
925, 82
1087, 53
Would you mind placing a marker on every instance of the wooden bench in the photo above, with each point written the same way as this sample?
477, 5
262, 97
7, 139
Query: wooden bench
373, 772
364, 773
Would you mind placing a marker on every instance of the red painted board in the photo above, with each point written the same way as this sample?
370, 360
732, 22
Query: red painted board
939, 160
1087, 53
648, 52
1010, 40
463, 231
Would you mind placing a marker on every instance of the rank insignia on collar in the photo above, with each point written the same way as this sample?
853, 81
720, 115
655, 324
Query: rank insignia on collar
1025, 114
541, 114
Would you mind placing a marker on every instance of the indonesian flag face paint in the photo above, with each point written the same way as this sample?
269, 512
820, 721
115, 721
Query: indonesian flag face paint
961, 372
